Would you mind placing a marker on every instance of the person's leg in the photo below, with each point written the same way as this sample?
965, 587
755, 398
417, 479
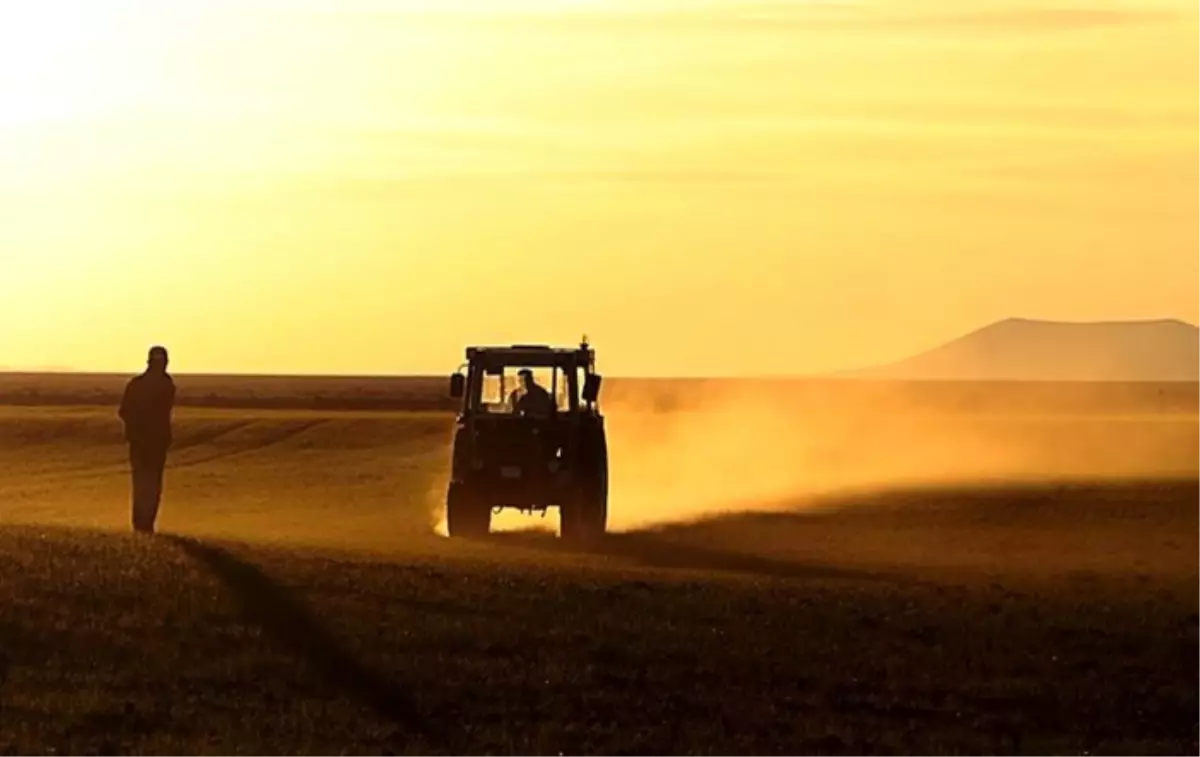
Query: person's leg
137, 467
147, 464
154, 485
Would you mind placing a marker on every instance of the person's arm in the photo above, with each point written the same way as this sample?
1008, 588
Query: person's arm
169, 405
126, 412
125, 409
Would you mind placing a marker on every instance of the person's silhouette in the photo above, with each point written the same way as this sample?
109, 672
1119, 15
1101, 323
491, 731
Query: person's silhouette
146, 412
534, 400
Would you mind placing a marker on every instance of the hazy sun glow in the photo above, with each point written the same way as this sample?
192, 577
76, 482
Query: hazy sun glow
702, 187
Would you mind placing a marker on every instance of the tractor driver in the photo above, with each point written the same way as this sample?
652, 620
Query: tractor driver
534, 400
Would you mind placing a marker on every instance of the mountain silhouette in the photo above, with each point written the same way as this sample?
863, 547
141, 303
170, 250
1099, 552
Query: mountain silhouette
1019, 349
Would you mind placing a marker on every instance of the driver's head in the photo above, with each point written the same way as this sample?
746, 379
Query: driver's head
526, 377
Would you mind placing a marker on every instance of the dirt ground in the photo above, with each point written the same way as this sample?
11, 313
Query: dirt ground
1042, 599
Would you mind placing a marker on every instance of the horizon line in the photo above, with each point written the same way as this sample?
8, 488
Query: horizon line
855, 375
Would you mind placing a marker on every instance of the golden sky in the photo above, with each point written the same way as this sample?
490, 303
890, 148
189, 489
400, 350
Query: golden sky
702, 186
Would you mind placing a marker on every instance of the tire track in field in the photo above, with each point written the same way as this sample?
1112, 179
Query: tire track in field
268, 441
207, 436
272, 440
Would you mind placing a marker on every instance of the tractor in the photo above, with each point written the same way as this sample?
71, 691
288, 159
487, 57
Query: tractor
513, 452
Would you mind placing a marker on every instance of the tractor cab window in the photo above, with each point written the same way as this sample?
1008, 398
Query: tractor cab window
508, 393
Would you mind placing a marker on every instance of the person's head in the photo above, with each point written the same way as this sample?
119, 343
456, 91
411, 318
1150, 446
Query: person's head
157, 360
526, 377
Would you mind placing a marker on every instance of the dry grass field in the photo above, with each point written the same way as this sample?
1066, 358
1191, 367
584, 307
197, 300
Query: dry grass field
954, 569
257, 392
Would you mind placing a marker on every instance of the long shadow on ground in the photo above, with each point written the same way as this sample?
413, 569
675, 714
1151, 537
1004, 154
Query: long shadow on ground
1071, 510
651, 550
1002, 503
285, 619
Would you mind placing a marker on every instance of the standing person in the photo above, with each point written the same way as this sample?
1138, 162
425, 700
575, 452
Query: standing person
146, 412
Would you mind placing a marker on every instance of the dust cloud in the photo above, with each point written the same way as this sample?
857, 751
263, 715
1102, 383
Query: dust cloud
746, 448
678, 454
735, 450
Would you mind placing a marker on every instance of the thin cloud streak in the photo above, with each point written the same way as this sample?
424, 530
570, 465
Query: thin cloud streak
780, 17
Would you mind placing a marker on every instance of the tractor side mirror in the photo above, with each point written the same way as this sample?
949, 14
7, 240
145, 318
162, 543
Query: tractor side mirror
591, 387
458, 385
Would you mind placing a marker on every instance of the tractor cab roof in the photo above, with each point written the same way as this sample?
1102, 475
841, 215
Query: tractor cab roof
532, 355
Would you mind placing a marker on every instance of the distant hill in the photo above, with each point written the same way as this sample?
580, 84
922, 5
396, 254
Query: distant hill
1019, 349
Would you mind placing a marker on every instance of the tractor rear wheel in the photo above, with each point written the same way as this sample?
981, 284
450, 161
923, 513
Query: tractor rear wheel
467, 515
585, 517
582, 519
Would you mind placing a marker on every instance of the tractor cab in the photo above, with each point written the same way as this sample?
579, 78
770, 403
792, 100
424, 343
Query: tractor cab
495, 380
